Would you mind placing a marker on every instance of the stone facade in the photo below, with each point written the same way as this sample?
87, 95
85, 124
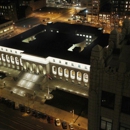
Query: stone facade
109, 83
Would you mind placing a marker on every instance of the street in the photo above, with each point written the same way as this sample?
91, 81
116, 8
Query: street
15, 120
45, 15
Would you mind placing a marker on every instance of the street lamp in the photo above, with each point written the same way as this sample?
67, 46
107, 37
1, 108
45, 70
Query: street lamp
72, 114
48, 95
86, 15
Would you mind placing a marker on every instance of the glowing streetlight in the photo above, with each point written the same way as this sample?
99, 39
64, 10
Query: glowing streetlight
72, 114
86, 14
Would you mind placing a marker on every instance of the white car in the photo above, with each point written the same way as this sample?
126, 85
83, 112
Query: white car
58, 122
71, 127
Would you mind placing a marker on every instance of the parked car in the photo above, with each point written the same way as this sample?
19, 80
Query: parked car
43, 116
28, 110
22, 108
38, 114
57, 122
71, 127
33, 113
64, 125
50, 119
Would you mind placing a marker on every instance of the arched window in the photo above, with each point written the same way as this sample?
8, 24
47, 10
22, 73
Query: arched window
3, 57
17, 60
54, 70
79, 76
21, 62
85, 77
72, 74
12, 59
66, 73
7, 58
60, 71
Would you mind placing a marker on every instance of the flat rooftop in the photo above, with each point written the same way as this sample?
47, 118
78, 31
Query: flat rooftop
55, 40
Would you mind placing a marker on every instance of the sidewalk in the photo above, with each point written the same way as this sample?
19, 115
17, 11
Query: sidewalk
41, 106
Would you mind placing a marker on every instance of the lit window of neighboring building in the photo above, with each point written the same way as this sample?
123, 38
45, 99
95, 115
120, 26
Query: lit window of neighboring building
17, 60
85, 77
66, 73
3, 57
79, 76
7, 58
60, 71
12, 59
72, 74
54, 70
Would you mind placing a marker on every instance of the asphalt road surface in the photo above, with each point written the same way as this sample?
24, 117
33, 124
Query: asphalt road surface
15, 120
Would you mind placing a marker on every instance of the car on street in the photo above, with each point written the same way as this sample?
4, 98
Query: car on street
64, 125
57, 122
50, 119
71, 127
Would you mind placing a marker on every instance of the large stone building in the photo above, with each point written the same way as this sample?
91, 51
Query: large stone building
60, 50
109, 92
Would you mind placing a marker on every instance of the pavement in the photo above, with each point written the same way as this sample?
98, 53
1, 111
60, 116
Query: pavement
39, 105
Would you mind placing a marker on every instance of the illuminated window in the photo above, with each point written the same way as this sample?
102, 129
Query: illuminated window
54, 70
60, 71
7, 58
79, 76
90, 36
3, 57
72, 74
12, 59
66, 73
17, 60
85, 77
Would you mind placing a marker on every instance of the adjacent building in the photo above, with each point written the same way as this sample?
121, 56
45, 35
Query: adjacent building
18, 9
6, 28
109, 92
